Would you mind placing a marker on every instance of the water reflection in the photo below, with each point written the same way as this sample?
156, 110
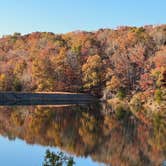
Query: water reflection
116, 138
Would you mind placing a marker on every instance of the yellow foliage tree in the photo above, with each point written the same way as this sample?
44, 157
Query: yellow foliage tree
42, 73
3, 82
113, 84
92, 71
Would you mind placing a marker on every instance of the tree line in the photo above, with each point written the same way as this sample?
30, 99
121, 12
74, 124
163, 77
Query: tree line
109, 62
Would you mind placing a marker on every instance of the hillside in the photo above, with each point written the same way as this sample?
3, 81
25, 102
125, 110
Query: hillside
122, 62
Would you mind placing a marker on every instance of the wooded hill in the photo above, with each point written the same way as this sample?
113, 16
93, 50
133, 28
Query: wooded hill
109, 62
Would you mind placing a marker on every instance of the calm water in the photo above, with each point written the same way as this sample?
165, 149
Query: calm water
91, 134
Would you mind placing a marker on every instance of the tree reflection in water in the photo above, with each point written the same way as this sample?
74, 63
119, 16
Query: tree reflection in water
112, 138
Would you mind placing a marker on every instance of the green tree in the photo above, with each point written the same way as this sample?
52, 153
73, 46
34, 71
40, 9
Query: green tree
57, 159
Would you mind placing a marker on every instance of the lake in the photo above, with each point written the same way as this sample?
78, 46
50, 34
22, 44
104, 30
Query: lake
92, 134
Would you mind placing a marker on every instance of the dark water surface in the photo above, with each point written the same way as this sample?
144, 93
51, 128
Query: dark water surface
92, 134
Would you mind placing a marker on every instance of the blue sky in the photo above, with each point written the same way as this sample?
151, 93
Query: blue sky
61, 16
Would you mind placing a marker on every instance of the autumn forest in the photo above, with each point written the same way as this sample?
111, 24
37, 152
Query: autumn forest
127, 63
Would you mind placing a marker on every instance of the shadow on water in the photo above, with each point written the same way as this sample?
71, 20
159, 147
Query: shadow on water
13, 98
94, 130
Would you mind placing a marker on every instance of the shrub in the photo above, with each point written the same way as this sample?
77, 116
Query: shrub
17, 86
121, 94
136, 103
120, 112
158, 95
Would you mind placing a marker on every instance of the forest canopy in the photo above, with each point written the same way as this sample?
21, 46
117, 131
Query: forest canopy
108, 62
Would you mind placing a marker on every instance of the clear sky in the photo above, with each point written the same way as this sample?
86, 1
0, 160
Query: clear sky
60, 16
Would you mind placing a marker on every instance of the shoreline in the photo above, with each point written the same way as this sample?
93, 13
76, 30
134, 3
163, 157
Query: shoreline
44, 98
